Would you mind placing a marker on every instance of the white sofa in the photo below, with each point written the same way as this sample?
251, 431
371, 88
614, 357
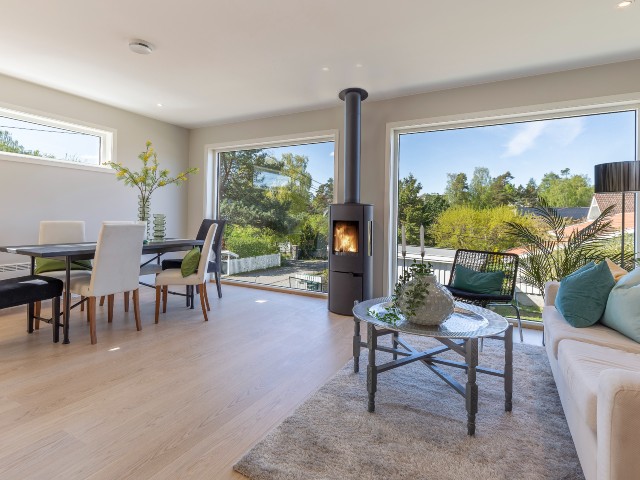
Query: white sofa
597, 372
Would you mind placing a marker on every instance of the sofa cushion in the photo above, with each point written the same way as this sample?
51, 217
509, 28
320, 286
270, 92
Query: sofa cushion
557, 329
623, 306
617, 271
582, 365
582, 296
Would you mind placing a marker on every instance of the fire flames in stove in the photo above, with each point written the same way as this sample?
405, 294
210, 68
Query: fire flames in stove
345, 238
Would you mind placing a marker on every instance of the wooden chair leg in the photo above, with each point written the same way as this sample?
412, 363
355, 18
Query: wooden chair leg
206, 295
136, 307
110, 300
158, 294
82, 304
36, 311
202, 304
165, 294
91, 313
126, 302
102, 300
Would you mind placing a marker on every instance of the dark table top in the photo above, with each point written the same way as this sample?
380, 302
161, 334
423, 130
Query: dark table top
88, 249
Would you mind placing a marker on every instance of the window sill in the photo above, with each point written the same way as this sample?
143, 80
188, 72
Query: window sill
50, 162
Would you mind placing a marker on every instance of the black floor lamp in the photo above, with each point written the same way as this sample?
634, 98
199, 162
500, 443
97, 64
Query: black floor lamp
618, 177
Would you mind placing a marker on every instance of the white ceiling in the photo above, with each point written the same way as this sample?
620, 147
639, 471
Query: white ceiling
218, 61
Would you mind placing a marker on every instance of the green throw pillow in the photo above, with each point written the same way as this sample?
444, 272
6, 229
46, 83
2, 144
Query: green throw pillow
488, 283
190, 262
582, 268
623, 306
52, 265
582, 296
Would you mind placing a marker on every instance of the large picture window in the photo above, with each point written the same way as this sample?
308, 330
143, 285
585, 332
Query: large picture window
276, 201
29, 136
463, 184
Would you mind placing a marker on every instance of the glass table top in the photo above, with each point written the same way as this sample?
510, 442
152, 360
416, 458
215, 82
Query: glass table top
467, 321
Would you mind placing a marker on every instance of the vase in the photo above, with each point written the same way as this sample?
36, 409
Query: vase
436, 307
159, 227
143, 216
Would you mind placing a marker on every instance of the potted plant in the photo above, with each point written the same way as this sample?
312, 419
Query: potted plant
148, 179
418, 297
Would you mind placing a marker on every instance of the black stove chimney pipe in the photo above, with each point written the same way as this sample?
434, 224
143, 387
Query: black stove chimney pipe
352, 98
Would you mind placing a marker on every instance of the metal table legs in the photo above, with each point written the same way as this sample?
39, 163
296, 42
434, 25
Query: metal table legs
466, 348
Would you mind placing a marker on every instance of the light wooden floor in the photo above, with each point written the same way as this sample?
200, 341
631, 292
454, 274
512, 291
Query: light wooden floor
182, 399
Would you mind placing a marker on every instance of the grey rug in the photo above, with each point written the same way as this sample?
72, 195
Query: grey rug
418, 430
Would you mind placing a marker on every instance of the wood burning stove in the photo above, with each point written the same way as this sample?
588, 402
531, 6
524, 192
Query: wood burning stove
350, 223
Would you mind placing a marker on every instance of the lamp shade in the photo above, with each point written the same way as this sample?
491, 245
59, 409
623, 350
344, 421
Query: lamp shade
617, 177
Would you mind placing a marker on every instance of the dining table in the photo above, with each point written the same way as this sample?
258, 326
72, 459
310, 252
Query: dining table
72, 252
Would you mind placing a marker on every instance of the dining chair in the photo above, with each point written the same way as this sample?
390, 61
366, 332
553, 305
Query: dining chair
59, 231
215, 264
146, 269
116, 269
173, 276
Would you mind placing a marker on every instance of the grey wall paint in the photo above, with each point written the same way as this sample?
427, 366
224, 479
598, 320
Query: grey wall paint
575, 85
30, 193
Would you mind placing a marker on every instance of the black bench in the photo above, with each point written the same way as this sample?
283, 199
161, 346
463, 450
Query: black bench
31, 289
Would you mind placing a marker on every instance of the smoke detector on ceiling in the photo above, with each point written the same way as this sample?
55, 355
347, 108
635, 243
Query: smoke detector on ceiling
141, 47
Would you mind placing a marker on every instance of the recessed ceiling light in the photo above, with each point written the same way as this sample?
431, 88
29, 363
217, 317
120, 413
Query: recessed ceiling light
625, 3
141, 47
325, 69
159, 104
358, 65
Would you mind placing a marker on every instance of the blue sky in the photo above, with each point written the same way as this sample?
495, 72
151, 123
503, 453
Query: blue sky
527, 150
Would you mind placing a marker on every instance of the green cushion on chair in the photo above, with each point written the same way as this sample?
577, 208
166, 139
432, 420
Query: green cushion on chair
52, 265
488, 283
190, 262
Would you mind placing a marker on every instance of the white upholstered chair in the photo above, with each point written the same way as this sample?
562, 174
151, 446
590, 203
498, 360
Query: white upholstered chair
116, 268
148, 269
60, 231
173, 276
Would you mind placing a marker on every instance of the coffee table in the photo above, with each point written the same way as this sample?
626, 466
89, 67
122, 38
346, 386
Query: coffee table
459, 334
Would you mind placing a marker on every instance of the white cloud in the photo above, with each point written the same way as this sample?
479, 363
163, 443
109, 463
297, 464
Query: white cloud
566, 130
561, 132
525, 139
331, 154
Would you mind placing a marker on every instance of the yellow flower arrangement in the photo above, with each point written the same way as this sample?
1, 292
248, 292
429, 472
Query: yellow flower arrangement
147, 180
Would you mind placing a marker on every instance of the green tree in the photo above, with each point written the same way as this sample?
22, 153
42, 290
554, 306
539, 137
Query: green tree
323, 197
477, 229
527, 195
410, 208
434, 205
566, 190
457, 189
479, 187
8, 144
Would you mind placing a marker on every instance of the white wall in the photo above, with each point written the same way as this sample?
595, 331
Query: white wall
30, 193
522, 94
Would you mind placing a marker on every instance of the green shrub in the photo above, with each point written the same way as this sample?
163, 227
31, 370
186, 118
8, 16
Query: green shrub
248, 241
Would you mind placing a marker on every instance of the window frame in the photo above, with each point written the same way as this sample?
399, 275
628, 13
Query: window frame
107, 139
211, 169
481, 119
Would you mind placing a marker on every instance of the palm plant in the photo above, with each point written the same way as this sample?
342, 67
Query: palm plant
551, 256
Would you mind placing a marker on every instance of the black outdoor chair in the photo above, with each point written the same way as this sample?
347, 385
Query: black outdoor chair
481, 261
215, 266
